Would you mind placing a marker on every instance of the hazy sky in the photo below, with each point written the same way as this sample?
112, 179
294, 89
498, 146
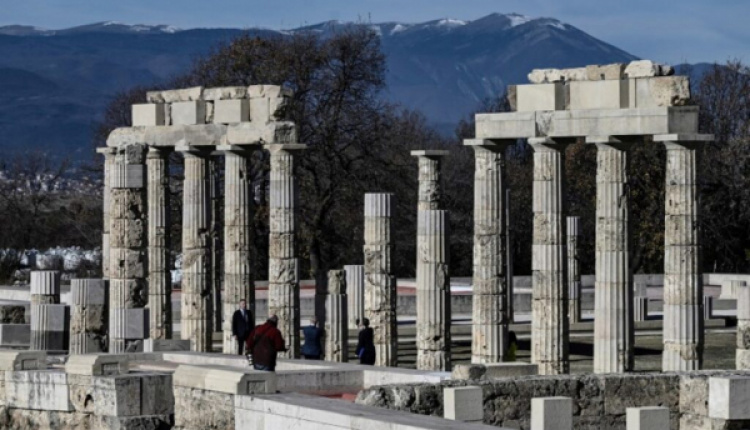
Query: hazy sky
671, 31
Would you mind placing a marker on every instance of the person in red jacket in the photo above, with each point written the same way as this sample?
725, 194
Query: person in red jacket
264, 343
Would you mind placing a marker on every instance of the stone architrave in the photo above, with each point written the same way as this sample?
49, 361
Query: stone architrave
743, 326
355, 290
490, 313
683, 277
380, 282
336, 323
574, 270
283, 264
159, 274
88, 320
549, 266
239, 209
430, 181
128, 263
109, 161
613, 298
433, 291
197, 298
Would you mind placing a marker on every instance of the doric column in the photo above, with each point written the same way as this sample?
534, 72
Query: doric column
45, 287
355, 291
380, 283
109, 161
50, 327
490, 317
159, 274
574, 270
430, 182
336, 324
239, 208
743, 326
283, 265
197, 298
549, 266
613, 298
128, 263
433, 291
683, 280
88, 319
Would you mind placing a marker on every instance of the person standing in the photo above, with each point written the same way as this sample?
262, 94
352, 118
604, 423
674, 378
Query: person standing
264, 343
311, 348
243, 322
366, 345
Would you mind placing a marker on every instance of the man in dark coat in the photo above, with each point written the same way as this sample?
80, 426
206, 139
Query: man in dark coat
243, 322
264, 343
311, 349
366, 346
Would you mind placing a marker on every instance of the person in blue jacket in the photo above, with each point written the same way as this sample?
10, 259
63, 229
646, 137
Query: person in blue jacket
311, 348
365, 345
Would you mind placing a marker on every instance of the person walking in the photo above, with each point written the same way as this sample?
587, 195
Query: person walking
264, 343
243, 322
311, 349
365, 345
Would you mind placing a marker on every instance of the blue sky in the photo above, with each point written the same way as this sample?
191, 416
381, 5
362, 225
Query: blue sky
671, 31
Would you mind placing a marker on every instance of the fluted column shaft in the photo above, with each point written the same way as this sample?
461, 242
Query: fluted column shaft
336, 324
109, 161
683, 280
433, 291
239, 208
574, 271
380, 282
430, 179
355, 291
159, 274
283, 265
490, 317
197, 298
128, 263
549, 266
613, 299
743, 326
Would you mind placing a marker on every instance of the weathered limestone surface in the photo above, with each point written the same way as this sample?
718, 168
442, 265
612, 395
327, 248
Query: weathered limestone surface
647, 418
574, 270
283, 264
197, 298
88, 322
430, 182
490, 317
50, 327
613, 307
634, 69
45, 287
128, 240
683, 280
549, 325
109, 161
380, 282
433, 291
159, 259
743, 327
551, 413
239, 208
355, 290
337, 320
463, 404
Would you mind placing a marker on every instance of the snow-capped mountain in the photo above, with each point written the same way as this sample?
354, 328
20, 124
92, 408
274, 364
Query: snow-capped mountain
58, 81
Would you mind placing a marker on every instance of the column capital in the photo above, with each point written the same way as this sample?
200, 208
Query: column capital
550, 142
430, 153
106, 151
238, 149
191, 150
617, 142
683, 141
278, 147
158, 151
490, 143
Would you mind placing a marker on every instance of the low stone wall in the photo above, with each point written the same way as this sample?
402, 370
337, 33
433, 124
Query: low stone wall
599, 401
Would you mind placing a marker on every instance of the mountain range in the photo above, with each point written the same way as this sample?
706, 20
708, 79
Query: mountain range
54, 84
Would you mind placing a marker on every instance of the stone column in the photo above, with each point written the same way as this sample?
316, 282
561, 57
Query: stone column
88, 321
574, 271
683, 276
197, 298
743, 327
490, 317
45, 287
239, 208
50, 327
613, 298
355, 290
283, 265
430, 182
433, 291
549, 266
336, 324
159, 258
109, 161
380, 283
128, 261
